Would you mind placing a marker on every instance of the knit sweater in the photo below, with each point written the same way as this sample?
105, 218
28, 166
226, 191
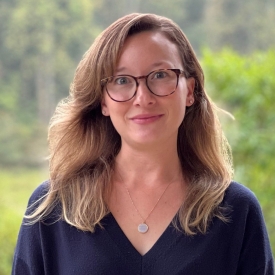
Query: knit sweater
240, 246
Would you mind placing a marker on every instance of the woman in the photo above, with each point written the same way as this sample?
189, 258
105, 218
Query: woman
140, 173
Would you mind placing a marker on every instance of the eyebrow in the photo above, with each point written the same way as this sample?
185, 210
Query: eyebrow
121, 69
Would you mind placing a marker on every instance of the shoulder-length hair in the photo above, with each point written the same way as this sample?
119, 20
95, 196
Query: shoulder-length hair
83, 143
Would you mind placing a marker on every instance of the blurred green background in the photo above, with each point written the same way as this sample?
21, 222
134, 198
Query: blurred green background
41, 43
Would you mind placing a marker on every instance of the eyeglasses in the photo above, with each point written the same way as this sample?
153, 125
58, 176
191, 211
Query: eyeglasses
161, 83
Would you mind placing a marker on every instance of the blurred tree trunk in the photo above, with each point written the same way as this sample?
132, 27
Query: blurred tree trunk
45, 88
45, 81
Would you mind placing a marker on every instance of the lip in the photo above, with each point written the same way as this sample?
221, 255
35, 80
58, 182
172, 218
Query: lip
146, 118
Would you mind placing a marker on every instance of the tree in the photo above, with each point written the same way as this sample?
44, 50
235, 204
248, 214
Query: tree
41, 43
244, 86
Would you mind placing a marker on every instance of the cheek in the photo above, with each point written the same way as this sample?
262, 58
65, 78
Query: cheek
118, 124
117, 116
180, 107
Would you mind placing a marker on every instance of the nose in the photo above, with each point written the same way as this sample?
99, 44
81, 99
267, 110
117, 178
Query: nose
143, 96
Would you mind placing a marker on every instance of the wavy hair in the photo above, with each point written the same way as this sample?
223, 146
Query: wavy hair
83, 143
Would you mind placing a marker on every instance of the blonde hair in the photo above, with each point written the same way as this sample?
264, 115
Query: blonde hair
83, 143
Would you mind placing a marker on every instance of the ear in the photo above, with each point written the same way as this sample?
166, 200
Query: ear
190, 82
104, 108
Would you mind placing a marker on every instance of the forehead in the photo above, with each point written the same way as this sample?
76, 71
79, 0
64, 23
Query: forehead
148, 49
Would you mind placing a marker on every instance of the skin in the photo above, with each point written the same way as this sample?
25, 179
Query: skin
148, 125
141, 54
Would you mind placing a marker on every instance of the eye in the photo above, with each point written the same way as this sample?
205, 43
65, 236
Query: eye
159, 75
122, 80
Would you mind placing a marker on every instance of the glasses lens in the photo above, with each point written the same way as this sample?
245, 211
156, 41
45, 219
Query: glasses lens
162, 82
121, 87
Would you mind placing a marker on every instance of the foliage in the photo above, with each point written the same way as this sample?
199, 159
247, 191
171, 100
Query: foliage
244, 86
244, 25
40, 45
240, 25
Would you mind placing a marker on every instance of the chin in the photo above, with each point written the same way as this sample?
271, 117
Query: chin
144, 141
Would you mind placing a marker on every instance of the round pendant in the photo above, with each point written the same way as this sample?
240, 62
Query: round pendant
143, 228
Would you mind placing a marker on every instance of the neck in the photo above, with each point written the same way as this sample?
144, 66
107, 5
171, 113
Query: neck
149, 168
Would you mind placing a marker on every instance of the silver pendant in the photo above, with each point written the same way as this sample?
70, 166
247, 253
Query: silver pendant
143, 228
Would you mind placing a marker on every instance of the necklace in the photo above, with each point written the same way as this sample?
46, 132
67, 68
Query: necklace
143, 227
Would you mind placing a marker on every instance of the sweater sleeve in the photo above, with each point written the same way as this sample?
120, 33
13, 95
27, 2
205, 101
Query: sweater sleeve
28, 256
256, 256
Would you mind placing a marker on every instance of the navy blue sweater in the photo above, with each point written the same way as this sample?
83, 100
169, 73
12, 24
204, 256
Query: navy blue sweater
238, 247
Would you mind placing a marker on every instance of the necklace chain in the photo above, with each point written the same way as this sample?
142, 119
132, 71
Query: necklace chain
143, 228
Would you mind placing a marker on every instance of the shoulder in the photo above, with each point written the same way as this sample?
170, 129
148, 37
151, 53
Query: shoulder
40, 190
38, 195
244, 207
249, 229
240, 195
28, 257
237, 191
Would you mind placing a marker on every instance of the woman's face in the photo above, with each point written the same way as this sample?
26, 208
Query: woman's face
147, 119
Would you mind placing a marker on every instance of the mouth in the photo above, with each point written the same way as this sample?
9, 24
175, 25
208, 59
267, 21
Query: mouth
144, 119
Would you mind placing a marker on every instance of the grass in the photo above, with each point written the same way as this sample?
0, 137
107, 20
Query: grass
16, 187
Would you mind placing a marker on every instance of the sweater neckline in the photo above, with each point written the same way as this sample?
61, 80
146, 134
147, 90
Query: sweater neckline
161, 246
